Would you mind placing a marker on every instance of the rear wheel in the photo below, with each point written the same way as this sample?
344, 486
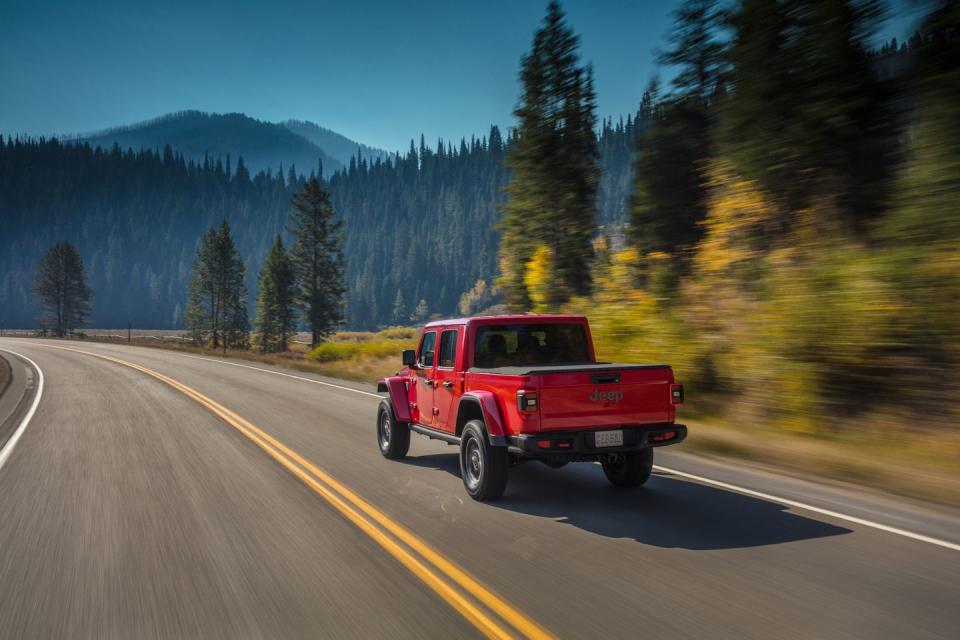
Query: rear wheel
482, 466
631, 469
393, 436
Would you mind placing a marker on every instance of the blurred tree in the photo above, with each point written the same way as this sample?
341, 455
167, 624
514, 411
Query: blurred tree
318, 260
61, 289
922, 231
804, 101
669, 195
697, 50
276, 316
552, 192
538, 278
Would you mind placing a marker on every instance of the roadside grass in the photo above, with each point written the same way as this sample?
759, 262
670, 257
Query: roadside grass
921, 463
360, 356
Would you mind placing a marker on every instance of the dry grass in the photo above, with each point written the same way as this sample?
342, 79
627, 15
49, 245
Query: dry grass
924, 465
361, 356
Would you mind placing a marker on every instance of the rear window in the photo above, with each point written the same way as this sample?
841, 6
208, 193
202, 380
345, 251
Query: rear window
448, 349
512, 345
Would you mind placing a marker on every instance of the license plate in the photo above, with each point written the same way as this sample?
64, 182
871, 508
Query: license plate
608, 438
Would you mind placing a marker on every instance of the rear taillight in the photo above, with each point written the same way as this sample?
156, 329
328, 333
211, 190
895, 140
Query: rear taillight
527, 401
663, 436
676, 394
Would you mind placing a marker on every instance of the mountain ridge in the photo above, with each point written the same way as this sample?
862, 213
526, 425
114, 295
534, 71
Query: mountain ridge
198, 134
335, 144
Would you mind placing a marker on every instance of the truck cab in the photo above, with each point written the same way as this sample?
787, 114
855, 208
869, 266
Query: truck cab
510, 389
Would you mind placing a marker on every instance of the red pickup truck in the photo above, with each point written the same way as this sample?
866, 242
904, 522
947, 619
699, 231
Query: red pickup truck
507, 389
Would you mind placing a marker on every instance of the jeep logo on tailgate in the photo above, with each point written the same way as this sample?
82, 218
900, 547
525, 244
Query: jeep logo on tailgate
606, 396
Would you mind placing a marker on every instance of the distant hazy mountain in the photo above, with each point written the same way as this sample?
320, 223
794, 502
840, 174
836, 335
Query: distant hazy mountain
263, 145
340, 147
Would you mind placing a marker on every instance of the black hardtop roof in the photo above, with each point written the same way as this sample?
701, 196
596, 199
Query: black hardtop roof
526, 318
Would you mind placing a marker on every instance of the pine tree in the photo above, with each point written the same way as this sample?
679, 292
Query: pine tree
552, 193
922, 230
803, 100
669, 198
276, 318
397, 316
216, 306
318, 260
696, 49
61, 289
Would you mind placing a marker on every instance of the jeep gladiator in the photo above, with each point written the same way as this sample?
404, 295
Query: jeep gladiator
508, 389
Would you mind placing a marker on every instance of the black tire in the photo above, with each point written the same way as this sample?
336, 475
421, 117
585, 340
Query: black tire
393, 436
631, 470
482, 467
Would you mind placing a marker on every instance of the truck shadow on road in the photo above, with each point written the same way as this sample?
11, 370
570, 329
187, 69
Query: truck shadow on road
668, 511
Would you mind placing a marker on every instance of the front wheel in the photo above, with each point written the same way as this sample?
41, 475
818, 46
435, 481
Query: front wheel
630, 469
393, 436
482, 466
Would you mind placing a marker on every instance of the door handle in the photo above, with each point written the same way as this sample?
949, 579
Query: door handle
448, 384
428, 382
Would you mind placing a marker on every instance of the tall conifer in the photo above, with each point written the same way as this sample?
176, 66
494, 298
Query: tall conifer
61, 289
217, 300
276, 317
553, 161
317, 259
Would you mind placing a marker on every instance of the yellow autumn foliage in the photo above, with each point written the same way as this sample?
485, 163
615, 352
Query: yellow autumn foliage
783, 324
537, 279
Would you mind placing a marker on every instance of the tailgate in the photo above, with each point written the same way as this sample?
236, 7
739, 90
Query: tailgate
605, 398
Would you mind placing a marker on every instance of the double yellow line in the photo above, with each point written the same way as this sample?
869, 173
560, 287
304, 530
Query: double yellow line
478, 604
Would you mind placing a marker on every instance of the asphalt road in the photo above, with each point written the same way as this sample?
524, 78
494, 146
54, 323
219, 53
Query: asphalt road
130, 509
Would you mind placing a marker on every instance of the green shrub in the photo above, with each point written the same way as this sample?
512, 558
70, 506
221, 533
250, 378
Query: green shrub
366, 349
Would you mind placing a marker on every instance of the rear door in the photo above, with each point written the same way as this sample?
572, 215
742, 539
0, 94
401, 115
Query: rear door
448, 380
605, 398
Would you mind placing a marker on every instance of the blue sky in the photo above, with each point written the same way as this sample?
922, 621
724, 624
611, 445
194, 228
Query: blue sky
380, 72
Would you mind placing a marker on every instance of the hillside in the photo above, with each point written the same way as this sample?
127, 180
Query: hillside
136, 218
418, 227
262, 145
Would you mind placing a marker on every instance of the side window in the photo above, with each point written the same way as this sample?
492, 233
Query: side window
427, 349
448, 349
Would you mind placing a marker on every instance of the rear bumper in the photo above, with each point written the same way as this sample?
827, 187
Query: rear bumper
581, 443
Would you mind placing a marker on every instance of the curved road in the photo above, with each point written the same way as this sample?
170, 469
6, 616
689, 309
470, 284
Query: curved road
155, 494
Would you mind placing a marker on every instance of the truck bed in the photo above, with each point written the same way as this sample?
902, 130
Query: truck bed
545, 369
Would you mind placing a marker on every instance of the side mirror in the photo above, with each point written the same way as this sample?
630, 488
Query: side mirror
409, 357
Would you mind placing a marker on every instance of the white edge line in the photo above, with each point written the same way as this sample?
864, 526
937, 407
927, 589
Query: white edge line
285, 375
12, 442
716, 483
808, 507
